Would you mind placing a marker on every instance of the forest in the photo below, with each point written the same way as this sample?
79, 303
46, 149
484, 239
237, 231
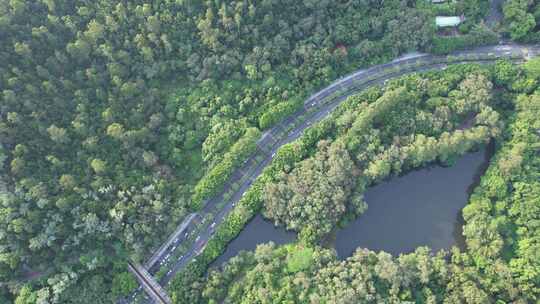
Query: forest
414, 121
432, 117
521, 20
119, 118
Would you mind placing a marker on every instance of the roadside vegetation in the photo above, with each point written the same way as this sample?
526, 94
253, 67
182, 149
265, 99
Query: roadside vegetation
120, 118
455, 111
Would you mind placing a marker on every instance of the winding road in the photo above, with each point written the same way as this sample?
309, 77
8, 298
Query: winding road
316, 108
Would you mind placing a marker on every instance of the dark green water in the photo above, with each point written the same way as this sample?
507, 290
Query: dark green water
421, 208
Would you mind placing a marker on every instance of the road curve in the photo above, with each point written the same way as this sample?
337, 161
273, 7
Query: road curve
317, 107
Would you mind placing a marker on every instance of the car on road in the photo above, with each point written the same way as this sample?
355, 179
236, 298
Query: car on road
197, 219
212, 228
198, 238
200, 246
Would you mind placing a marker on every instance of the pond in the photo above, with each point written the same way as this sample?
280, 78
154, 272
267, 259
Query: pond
257, 231
421, 208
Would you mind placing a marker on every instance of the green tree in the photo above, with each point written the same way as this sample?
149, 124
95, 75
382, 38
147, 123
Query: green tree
99, 166
57, 134
26, 296
315, 193
123, 283
115, 130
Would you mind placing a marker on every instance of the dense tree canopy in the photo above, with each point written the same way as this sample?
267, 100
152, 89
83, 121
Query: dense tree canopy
111, 112
119, 118
314, 196
414, 121
521, 18
501, 260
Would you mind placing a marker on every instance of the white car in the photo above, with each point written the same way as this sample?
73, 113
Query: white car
169, 272
198, 238
213, 225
